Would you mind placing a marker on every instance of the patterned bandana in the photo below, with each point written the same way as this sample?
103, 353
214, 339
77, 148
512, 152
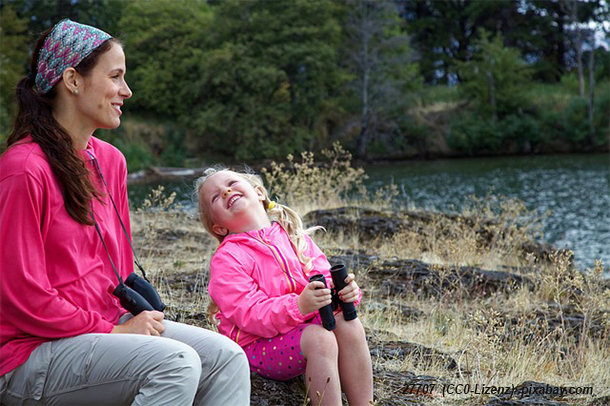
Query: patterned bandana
65, 47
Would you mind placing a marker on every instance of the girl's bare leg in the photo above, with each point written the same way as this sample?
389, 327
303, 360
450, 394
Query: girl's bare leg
355, 367
320, 349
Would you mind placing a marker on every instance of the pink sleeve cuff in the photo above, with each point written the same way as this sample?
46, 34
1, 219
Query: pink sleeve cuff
295, 313
106, 326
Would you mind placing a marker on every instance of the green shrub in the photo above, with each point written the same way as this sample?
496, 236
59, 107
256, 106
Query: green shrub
520, 128
173, 156
575, 116
569, 83
138, 154
601, 118
439, 94
472, 134
568, 123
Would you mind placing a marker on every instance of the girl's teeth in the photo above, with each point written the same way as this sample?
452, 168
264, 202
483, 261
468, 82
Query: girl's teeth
233, 200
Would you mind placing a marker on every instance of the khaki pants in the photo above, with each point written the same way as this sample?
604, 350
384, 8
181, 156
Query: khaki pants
186, 365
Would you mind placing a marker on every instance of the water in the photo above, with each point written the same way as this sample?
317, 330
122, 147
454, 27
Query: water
575, 188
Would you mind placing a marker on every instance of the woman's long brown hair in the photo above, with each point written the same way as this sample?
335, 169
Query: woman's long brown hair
35, 118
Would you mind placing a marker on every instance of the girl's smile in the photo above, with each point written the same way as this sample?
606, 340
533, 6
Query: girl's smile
232, 200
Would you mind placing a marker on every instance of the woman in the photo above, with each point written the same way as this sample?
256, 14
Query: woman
64, 338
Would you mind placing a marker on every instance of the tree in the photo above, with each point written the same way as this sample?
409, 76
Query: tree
379, 58
442, 31
268, 78
103, 14
495, 79
166, 43
571, 9
578, 14
13, 60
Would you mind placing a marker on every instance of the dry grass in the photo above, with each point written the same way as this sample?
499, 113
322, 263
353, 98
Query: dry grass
500, 339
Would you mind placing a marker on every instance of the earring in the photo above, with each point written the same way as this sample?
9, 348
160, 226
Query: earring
271, 205
75, 91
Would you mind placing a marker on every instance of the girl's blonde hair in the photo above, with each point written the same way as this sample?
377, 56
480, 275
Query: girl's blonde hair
289, 219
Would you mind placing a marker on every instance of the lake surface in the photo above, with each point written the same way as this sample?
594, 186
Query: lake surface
575, 188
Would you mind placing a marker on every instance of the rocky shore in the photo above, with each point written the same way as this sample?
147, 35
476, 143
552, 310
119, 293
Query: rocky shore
180, 249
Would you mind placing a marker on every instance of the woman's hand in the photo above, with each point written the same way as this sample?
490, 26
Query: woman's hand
312, 298
351, 292
147, 323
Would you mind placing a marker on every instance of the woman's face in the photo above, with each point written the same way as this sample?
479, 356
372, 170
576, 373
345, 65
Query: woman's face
104, 91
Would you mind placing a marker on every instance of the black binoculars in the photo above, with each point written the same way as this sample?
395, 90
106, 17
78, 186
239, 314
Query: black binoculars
338, 273
326, 312
137, 295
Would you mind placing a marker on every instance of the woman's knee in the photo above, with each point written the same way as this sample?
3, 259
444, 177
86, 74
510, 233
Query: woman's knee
228, 355
179, 358
317, 341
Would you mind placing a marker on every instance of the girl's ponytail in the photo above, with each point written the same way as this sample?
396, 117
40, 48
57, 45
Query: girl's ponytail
292, 223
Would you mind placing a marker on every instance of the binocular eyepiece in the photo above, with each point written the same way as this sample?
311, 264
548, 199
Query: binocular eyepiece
137, 295
338, 274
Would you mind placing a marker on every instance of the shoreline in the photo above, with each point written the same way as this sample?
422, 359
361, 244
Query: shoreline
176, 173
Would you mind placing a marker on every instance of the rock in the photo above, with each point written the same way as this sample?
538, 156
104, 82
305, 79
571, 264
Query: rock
421, 355
404, 388
400, 276
530, 401
266, 392
569, 319
391, 388
372, 225
354, 260
531, 393
408, 275
600, 401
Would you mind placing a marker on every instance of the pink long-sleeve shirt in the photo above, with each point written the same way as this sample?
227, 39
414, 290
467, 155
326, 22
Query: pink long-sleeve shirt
256, 278
55, 276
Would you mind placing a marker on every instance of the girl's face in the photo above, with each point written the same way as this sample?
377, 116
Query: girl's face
232, 203
105, 89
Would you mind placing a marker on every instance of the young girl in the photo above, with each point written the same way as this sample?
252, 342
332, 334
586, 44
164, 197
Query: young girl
259, 281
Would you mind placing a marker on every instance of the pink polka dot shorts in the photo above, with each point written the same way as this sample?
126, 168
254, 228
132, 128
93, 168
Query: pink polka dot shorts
279, 358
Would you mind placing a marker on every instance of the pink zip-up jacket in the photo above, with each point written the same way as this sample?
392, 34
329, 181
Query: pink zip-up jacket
55, 276
256, 278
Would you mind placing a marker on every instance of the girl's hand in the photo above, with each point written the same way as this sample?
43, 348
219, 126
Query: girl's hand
351, 292
312, 298
147, 323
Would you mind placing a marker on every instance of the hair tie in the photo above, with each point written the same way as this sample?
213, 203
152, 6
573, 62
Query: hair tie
271, 205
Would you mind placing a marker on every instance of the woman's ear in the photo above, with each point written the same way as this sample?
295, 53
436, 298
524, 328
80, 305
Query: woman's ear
72, 80
221, 231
